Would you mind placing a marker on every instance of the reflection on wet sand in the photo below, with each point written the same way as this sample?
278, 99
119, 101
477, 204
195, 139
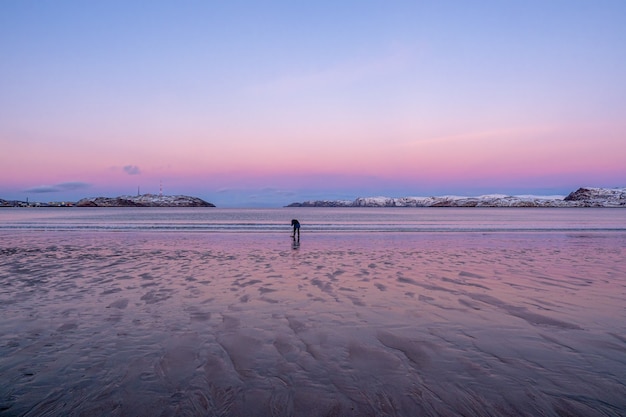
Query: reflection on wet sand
364, 325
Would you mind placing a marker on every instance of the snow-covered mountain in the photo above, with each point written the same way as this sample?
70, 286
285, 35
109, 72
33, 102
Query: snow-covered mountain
144, 200
583, 197
598, 197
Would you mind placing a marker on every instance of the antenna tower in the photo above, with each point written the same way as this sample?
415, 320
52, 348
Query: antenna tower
160, 188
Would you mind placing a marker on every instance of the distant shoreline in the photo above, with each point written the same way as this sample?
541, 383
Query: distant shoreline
143, 200
583, 197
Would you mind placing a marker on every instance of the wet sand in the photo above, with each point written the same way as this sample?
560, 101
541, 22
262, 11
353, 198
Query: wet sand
406, 324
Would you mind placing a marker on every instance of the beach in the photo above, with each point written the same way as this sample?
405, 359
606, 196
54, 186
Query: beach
363, 324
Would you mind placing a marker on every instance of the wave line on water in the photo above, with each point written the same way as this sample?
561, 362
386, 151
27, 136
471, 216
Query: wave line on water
317, 220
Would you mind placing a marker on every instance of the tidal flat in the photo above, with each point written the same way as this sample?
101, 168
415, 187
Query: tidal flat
363, 324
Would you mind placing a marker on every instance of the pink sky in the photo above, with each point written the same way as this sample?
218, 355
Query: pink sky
263, 108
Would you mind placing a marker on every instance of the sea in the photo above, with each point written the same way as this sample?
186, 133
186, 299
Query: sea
316, 220
370, 312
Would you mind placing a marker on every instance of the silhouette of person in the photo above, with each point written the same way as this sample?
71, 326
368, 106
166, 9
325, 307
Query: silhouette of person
296, 228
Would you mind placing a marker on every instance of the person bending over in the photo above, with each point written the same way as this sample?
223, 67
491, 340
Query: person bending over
296, 228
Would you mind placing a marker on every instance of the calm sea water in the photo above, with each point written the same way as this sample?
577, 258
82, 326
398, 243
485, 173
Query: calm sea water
315, 220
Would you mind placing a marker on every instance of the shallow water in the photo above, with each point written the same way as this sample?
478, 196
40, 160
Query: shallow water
366, 324
314, 220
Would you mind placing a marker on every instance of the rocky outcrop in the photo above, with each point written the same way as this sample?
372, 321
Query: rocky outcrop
598, 197
145, 200
583, 197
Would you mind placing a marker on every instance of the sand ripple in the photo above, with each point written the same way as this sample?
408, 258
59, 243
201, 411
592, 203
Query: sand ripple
384, 325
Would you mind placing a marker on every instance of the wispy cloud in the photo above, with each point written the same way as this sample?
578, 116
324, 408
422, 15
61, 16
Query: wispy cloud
132, 170
57, 188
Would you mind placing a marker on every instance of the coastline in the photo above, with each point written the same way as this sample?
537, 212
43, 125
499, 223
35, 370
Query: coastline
582, 197
314, 221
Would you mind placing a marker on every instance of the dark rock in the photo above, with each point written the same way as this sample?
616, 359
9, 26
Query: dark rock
579, 195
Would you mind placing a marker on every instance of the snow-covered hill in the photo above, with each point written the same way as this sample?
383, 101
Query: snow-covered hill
583, 197
598, 197
144, 200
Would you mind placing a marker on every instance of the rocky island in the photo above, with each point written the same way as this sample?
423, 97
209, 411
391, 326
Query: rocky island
583, 197
144, 200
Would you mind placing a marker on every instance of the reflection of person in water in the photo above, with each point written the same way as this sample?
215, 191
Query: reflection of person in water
296, 228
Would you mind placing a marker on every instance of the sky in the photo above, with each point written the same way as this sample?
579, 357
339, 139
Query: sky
261, 104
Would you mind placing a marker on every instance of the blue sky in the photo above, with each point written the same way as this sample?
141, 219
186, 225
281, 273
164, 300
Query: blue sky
263, 104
